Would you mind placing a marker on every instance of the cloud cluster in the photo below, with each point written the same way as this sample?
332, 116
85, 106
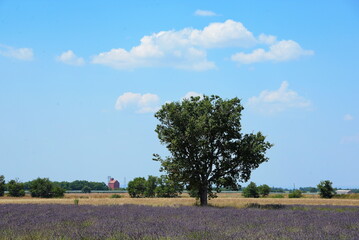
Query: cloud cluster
70, 58
280, 51
187, 48
143, 103
24, 54
270, 102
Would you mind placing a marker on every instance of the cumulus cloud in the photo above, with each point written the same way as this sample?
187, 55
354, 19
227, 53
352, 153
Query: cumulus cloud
187, 48
270, 102
25, 54
204, 13
192, 94
281, 51
184, 49
70, 58
348, 117
143, 103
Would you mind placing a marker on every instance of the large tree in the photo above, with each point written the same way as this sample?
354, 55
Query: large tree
208, 150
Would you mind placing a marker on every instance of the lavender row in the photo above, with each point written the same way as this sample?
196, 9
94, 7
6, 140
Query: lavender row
145, 222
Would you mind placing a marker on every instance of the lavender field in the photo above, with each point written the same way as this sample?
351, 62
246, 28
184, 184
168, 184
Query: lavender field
26, 221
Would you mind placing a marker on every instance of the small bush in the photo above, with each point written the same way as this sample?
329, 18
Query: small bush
295, 194
115, 196
86, 189
2, 185
76, 202
137, 187
264, 190
251, 191
15, 188
325, 189
44, 188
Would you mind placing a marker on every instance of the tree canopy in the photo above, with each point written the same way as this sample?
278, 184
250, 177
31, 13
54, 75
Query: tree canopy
325, 189
208, 150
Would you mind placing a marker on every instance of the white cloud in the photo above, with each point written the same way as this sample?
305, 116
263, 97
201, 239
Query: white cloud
25, 54
281, 51
204, 13
192, 94
70, 58
267, 39
348, 117
187, 48
270, 102
142, 103
184, 49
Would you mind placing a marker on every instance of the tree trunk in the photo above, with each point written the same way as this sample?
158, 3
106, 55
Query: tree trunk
203, 196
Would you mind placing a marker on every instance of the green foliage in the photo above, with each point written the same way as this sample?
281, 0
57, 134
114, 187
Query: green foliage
15, 188
150, 186
76, 201
86, 189
115, 196
80, 184
153, 187
57, 191
2, 185
207, 147
44, 188
295, 194
137, 187
167, 188
251, 191
264, 190
325, 189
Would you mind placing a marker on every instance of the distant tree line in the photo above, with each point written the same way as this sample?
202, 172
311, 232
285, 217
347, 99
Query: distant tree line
44, 188
76, 185
80, 184
153, 187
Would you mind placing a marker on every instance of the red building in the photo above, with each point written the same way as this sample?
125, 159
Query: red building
113, 184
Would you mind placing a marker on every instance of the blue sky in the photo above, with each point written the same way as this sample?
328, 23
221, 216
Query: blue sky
80, 81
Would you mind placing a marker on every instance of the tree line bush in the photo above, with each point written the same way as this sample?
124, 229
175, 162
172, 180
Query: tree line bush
153, 187
252, 191
40, 187
76, 185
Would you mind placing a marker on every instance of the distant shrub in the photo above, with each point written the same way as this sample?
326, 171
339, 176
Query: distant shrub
264, 190
251, 191
325, 189
2, 185
44, 188
277, 196
295, 194
76, 202
15, 188
57, 191
115, 196
137, 187
167, 188
86, 189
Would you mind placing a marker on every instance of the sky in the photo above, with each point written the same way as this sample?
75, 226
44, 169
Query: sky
80, 82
